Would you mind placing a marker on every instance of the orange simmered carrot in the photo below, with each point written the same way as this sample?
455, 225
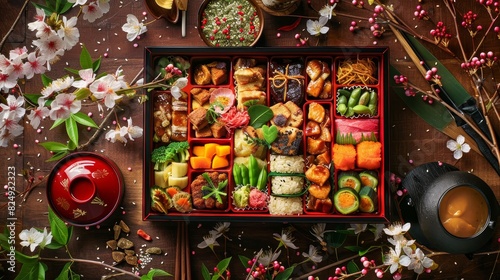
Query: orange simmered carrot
200, 162
172, 191
219, 162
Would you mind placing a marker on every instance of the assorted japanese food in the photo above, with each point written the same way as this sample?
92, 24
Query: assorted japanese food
268, 135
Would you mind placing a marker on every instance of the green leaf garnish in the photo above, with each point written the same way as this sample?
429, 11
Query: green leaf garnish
259, 115
213, 190
270, 133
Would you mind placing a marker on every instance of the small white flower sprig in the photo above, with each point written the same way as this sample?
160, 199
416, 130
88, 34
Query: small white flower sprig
59, 237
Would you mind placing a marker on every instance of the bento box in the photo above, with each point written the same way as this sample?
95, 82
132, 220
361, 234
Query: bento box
267, 134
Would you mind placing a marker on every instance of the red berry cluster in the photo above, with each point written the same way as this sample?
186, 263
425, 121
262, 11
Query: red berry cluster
173, 70
375, 28
420, 13
358, 3
493, 5
401, 79
441, 34
260, 271
484, 59
468, 21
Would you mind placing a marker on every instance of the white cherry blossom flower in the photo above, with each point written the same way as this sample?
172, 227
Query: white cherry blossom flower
415, 260
397, 229
458, 147
327, 10
133, 27
14, 106
91, 12
57, 85
87, 77
4, 63
39, 20
104, 5
31, 238
7, 81
131, 130
18, 53
116, 134
78, 2
69, 33
17, 68
377, 231
63, 106
318, 231
392, 259
105, 88
208, 241
358, 228
11, 126
37, 115
50, 47
268, 256
317, 27
286, 239
47, 238
34, 65
313, 254
220, 229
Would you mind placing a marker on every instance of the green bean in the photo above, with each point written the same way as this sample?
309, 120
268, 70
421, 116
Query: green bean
262, 180
342, 109
373, 104
354, 98
350, 112
364, 99
253, 170
344, 92
244, 174
237, 174
362, 109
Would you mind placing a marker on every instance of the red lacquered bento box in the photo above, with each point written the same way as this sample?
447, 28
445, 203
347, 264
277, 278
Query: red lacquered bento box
305, 138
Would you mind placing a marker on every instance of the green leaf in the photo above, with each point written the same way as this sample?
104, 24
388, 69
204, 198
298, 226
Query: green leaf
57, 123
85, 120
96, 64
259, 115
285, 275
435, 115
42, 268
223, 264
63, 275
57, 156
364, 252
354, 248
72, 129
82, 93
32, 98
46, 81
66, 7
352, 267
32, 271
25, 259
72, 71
244, 260
270, 133
85, 58
48, 11
54, 245
335, 239
60, 231
154, 272
54, 146
205, 272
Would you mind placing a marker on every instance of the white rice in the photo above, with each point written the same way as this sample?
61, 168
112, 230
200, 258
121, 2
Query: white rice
287, 164
285, 205
287, 184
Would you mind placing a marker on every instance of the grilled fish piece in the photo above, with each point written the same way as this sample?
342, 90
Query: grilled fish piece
288, 142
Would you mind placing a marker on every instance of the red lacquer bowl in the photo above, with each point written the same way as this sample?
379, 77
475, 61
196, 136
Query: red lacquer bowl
84, 188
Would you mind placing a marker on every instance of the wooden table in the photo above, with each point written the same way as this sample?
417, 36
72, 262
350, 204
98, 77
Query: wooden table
413, 142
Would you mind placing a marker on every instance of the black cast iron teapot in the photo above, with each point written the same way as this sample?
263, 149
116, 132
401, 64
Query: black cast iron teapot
450, 210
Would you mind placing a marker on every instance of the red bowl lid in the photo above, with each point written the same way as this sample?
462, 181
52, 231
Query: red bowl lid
84, 188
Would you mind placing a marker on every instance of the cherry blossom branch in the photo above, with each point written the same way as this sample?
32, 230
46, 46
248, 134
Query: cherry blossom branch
14, 24
99, 130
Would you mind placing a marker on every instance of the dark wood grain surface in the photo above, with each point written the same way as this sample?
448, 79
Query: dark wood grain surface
412, 142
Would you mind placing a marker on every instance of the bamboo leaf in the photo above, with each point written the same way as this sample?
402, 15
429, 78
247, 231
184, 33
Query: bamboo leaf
244, 260
58, 156
435, 115
54, 146
449, 83
204, 272
223, 264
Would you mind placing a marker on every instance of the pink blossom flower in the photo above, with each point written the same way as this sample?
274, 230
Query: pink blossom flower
69, 33
87, 76
37, 115
14, 107
9, 128
92, 11
4, 63
63, 106
34, 65
17, 68
105, 88
50, 47
39, 20
104, 5
18, 53
7, 81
